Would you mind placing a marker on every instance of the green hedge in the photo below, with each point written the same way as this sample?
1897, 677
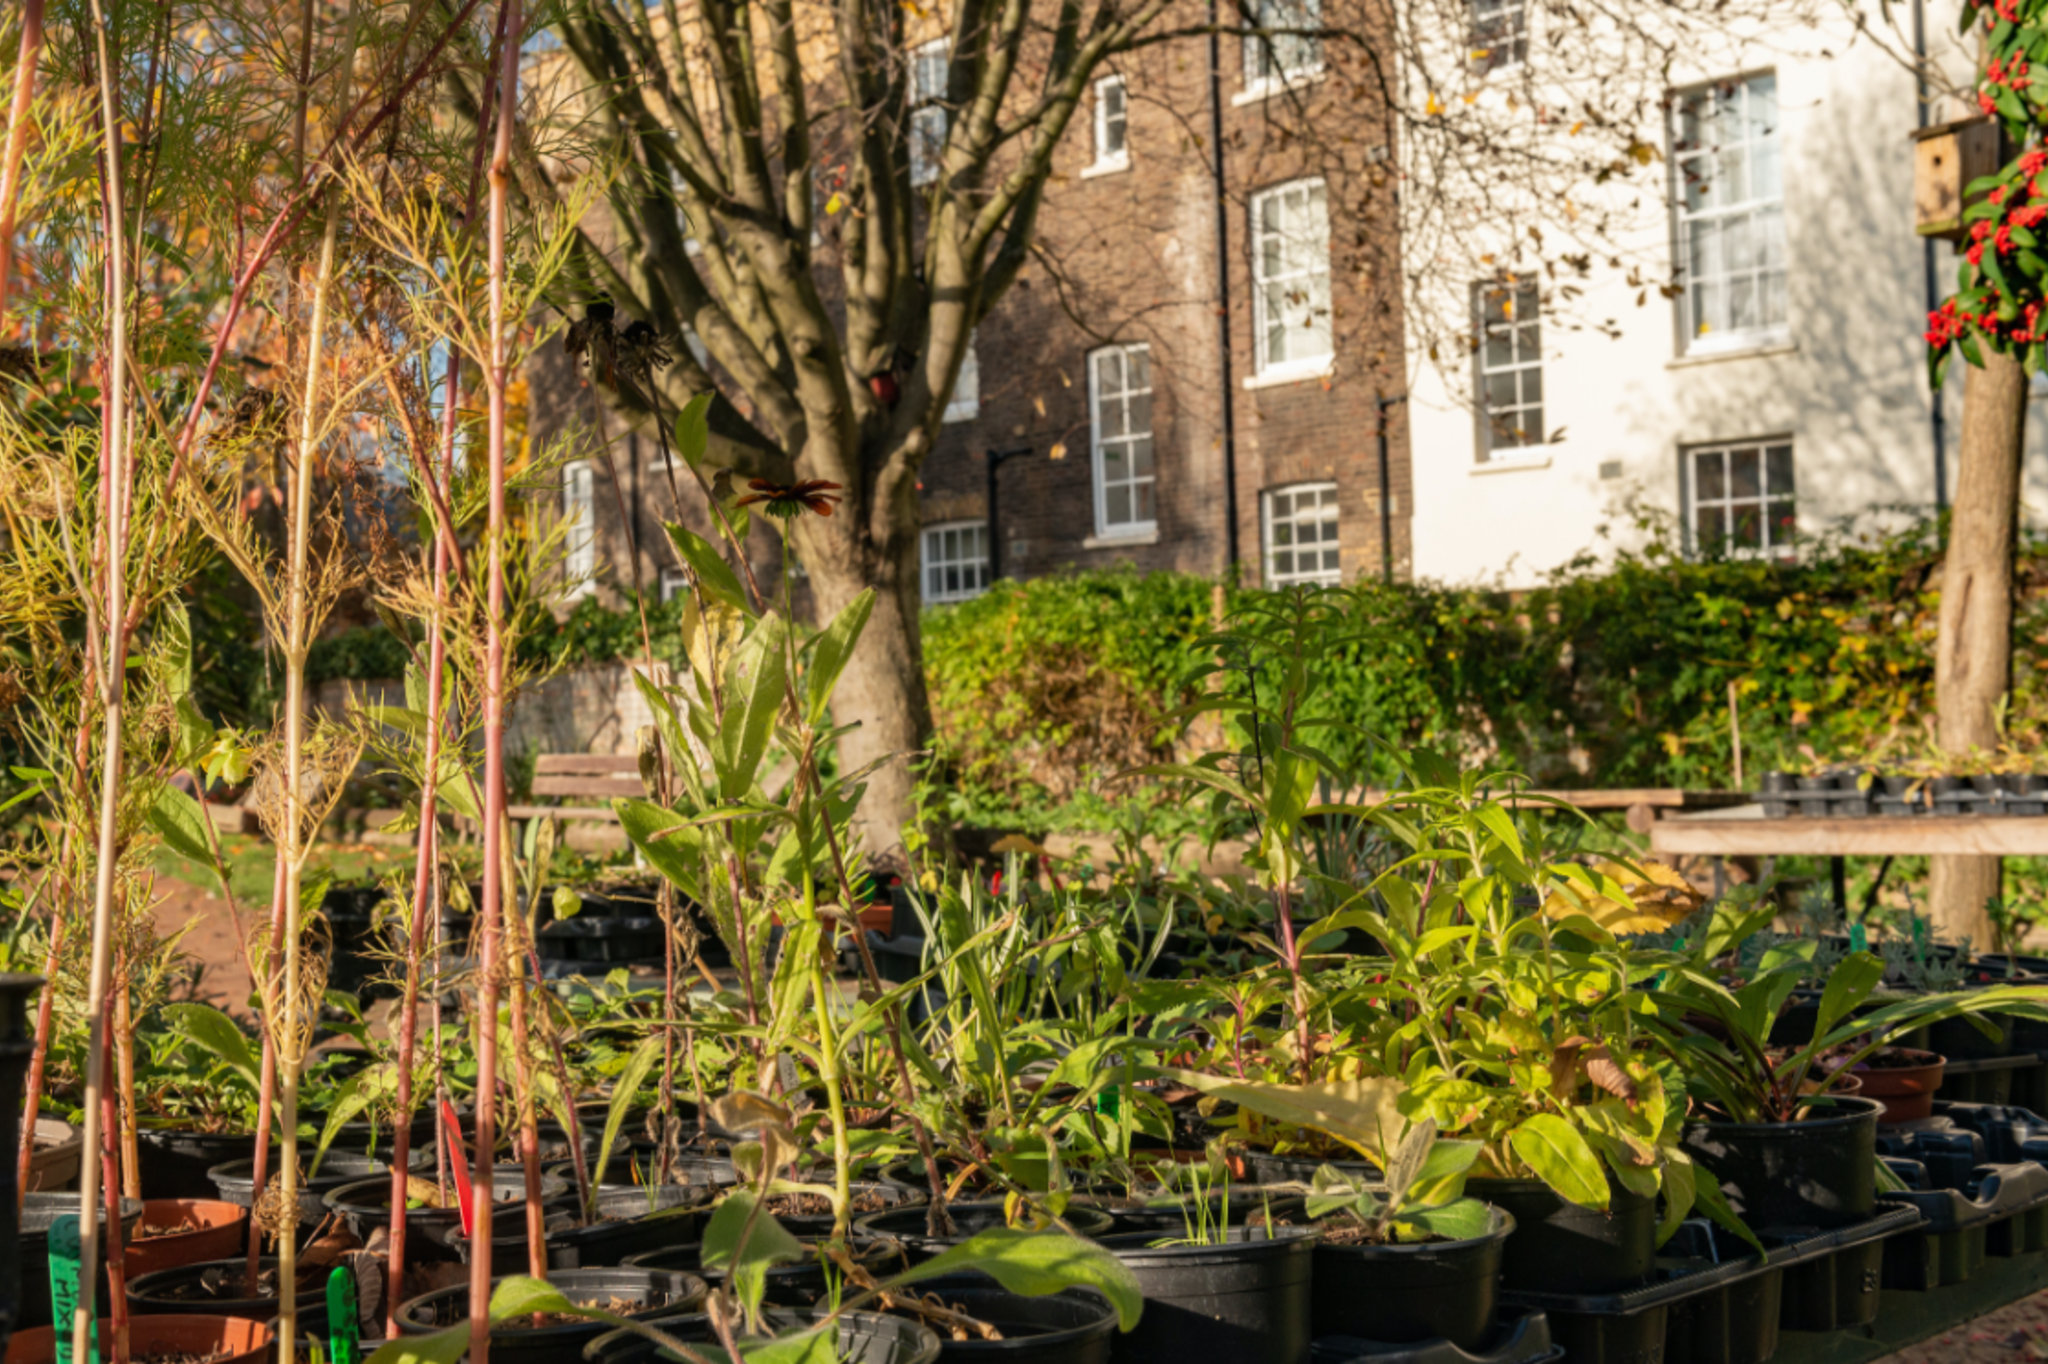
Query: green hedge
1613, 673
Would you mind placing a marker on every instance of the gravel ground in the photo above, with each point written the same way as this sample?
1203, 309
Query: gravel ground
2011, 1335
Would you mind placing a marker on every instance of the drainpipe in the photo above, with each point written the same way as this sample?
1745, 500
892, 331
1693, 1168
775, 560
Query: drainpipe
1937, 423
1386, 489
1228, 386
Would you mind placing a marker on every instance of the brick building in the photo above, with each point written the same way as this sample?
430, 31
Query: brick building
1104, 368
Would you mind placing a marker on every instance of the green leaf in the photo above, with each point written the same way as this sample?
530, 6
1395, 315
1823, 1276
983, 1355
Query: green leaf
756, 687
1035, 1263
1849, 984
174, 638
624, 1090
742, 1245
834, 647
405, 720
177, 818
1562, 1158
357, 1093
693, 429
644, 823
714, 576
442, 1347
214, 1032
1460, 1221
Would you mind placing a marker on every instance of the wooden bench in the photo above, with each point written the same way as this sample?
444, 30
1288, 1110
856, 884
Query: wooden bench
585, 777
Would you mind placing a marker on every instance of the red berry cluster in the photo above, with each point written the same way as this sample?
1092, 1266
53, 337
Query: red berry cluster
1997, 73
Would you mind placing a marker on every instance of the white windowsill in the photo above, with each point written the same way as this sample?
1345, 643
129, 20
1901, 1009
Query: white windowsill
1763, 346
1292, 372
1507, 464
959, 413
1115, 165
1122, 539
1264, 89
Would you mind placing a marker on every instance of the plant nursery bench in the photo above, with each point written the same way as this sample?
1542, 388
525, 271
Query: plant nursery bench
1745, 831
582, 776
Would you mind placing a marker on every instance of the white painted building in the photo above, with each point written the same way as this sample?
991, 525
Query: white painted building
1787, 383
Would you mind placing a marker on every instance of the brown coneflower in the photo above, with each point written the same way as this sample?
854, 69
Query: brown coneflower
786, 501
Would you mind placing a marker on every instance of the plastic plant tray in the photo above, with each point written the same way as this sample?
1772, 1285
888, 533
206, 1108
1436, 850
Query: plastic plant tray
1944, 1157
1519, 1338
1992, 1079
2010, 1133
1715, 1301
2002, 1212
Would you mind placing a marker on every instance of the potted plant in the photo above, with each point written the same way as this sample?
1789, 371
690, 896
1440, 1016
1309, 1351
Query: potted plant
222, 1288
1902, 1080
1413, 1260
217, 1339
1788, 1149
183, 1231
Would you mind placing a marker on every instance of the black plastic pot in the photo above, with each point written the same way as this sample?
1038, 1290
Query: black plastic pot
661, 1293
1559, 1247
367, 1205
1820, 1173
1267, 1168
1245, 1299
32, 1246
891, 1196
174, 1164
908, 1224
677, 1218
1166, 1215
1815, 794
236, 1180
171, 1293
864, 1338
1775, 792
636, 1163
797, 1285
607, 939
17, 1044
1406, 1293
1075, 1327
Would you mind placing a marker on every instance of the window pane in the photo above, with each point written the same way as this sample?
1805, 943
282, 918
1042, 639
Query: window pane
1779, 459
1138, 414
1142, 494
1117, 504
1744, 472
1783, 524
1710, 527
1141, 456
1748, 525
1710, 483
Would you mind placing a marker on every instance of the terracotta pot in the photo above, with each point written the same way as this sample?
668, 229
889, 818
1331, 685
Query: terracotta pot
209, 1230
877, 918
1907, 1092
54, 1167
247, 1342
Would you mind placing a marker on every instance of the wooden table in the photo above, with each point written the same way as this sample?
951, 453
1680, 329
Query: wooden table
1645, 804
1742, 830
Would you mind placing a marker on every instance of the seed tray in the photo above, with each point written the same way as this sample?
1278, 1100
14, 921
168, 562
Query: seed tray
1932, 1153
1714, 1301
1518, 1338
1992, 1079
2002, 1212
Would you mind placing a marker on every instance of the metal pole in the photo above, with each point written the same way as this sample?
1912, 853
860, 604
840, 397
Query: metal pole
1937, 419
1228, 384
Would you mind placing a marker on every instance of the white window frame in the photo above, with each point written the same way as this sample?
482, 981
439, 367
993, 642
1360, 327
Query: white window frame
1301, 360
673, 583
1521, 364
930, 120
965, 404
1127, 440
1261, 80
579, 537
968, 563
1765, 215
1769, 545
1499, 37
1326, 494
1109, 162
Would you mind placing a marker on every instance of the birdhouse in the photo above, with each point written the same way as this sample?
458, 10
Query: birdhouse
1946, 158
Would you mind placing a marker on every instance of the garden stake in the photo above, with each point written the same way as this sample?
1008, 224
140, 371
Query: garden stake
113, 684
18, 119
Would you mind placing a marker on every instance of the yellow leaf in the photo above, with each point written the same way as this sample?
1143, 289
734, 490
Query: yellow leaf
834, 204
1651, 905
1058, 451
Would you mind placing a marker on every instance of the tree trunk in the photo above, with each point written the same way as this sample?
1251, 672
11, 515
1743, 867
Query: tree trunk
1973, 653
882, 689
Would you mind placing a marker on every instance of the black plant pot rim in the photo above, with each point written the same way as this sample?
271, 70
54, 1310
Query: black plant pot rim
1862, 1112
1092, 1216
1500, 1227
1135, 1248
1104, 1324
691, 1290
143, 1285
340, 1200
781, 1318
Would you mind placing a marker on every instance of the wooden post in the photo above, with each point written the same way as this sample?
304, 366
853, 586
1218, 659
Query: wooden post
1973, 652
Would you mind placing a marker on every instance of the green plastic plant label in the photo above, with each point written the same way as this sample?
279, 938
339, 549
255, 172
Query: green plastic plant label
1859, 940
1109, 1103
65, 1254
342, 1325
